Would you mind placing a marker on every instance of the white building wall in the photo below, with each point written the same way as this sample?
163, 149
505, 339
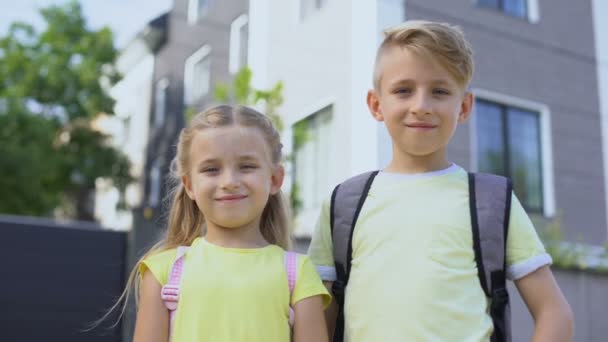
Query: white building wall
600, 9
325, 59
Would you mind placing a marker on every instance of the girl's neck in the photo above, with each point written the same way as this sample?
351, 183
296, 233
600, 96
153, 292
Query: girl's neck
243, 237
410, 164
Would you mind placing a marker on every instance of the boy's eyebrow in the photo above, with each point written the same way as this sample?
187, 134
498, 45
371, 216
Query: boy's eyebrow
440, 81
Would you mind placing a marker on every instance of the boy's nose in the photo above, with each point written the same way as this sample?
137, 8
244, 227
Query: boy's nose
421, 104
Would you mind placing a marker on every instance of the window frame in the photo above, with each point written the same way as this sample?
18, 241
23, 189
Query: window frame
194, 14
236, 43
189, 68
545, 140
532, 10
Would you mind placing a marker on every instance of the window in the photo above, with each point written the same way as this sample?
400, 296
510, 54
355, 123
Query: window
196, 9
509, 144
160, 102
238, 43
516, 8
307, 7
311, 157
155, 183
197, 75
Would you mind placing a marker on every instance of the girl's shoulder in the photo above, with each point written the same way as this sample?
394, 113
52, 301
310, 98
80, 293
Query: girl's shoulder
159, 263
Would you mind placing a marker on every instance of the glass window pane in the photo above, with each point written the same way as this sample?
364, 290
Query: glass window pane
490, 140
516, 8
525, 157
489, 3
202, 6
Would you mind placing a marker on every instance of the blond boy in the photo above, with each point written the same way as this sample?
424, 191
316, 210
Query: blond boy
413, 274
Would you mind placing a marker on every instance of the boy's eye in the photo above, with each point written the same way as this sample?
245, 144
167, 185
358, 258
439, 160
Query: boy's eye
249, 166
402, 90
441, 91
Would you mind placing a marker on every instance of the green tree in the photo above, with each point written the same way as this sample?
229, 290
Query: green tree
52, 86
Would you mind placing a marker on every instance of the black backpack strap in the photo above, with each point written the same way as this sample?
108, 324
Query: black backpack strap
346, 202
490, 206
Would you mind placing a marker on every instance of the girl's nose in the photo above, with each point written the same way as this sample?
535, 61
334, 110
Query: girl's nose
230, 180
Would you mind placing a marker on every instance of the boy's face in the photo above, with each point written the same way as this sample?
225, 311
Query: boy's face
419, 102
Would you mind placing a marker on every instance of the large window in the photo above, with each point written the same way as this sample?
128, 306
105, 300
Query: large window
509, 144
311, 158
155, 184
197, 75
196, 9
238, 43
516, 8
160, 102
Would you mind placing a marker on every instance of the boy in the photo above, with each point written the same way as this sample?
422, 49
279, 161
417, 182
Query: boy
413, 275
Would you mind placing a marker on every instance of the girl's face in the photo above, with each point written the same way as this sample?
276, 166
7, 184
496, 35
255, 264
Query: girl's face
231, 176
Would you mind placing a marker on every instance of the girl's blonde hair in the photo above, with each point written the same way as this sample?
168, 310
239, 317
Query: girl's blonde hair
185, 222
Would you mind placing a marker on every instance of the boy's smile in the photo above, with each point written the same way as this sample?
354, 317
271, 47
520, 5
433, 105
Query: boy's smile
421, 104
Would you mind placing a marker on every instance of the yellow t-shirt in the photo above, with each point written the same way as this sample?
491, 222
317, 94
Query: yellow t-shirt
233, 294
413, 275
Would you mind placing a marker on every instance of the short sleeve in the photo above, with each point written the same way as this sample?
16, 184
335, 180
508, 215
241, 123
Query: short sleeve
308, 283
320, 250
159, 264
525, 251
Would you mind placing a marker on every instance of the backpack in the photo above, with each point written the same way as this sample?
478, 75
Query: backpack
170, 291
490, 205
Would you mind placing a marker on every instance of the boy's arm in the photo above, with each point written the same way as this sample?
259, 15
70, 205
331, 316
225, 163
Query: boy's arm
550, 310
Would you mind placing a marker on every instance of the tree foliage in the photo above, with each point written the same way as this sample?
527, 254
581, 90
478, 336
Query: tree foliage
52, 86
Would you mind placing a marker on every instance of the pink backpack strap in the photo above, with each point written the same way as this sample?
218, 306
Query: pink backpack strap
170, 292
291, 267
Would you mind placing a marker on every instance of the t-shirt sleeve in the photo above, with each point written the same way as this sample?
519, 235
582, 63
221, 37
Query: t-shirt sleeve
159, 264
320, 250
308, 283
525, 251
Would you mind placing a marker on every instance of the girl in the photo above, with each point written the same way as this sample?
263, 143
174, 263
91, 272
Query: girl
228, 208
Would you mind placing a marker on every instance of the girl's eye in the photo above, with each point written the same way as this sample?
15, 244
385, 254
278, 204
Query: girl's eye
249, 166
441, 92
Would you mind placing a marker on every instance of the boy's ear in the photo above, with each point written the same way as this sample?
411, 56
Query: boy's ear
187, 187
373, 103
276, 179
466, 107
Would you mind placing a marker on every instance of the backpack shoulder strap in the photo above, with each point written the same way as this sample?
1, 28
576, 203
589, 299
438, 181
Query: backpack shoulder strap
346, 202
490, 206
170, 292
291, 267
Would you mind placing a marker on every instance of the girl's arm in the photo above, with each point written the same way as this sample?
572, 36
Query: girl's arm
331, 312
550, 310
309, 325
152, 323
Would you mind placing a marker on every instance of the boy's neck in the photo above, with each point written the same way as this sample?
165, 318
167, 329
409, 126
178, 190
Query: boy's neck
408, 164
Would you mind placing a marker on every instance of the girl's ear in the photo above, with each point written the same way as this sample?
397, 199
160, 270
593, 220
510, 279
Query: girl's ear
187, 187
276, 179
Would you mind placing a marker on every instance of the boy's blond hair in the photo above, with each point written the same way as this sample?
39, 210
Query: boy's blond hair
442, 42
